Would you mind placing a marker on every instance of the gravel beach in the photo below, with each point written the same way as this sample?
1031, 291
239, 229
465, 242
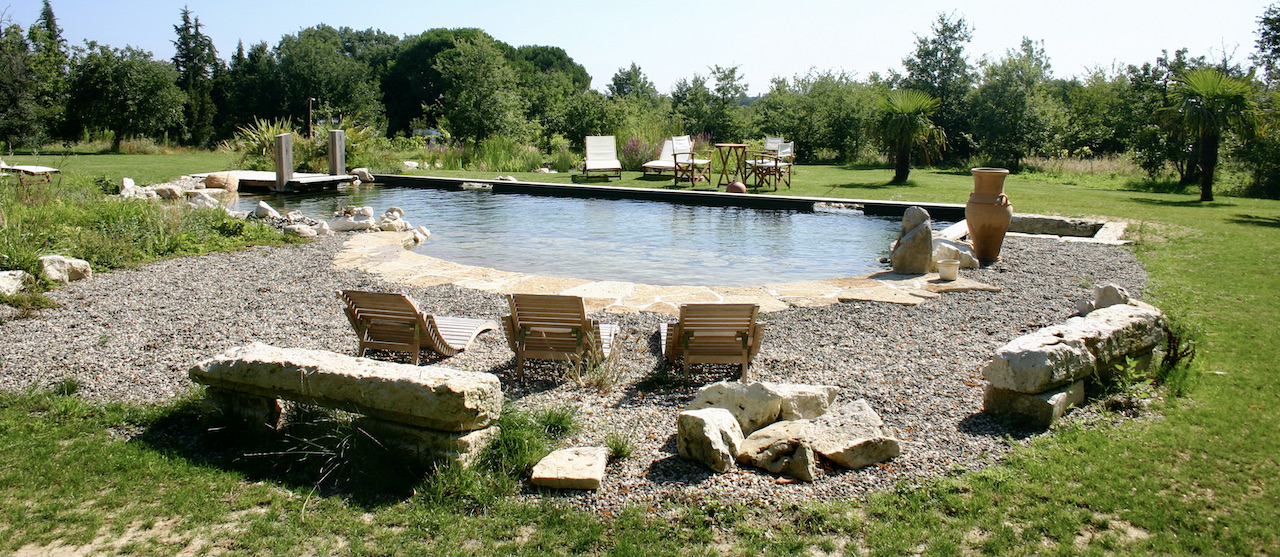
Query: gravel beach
132, 335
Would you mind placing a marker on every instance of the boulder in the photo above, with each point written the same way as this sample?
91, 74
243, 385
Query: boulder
753, 405
853, 436
433, 397
577, 468
265, 211
799, 402
169, 192
223, 181
417, 236
1038, 409
347, 224
295, 216
1058, 355
204, 200
430, 446
951, 249
411, 165
64, 269
363, 174
1058, 226
711, 436
300, 230
781, 448
13, 282
912, 254
1103, 296
322, 229
392, 221
129, 191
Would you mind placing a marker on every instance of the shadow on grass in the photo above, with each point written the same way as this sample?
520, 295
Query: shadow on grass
1157, 186
1180, 203
1270, 222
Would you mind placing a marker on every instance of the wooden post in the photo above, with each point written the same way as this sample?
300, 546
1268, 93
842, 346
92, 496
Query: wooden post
284, 162
337, 152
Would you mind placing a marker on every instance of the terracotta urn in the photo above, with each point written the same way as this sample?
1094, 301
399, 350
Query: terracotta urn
988, 213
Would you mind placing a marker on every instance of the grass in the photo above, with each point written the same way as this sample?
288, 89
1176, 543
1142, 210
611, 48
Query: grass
1199, 478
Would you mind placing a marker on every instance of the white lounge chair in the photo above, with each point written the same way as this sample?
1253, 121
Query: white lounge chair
602, 156
30, 170
772, 169
666, 160
687, 164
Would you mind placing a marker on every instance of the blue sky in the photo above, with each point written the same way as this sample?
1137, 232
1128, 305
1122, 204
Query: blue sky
673, 40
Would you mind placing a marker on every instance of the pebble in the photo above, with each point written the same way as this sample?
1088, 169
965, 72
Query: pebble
131, 336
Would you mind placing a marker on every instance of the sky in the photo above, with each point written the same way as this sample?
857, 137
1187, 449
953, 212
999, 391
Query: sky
673, 40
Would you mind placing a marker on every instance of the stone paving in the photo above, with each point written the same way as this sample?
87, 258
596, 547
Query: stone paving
383, 254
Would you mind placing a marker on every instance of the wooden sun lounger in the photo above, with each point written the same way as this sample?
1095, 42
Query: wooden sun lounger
30, 170
554, 327
713, 334
385, 321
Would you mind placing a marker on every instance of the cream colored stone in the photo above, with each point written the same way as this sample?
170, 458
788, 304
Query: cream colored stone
429, 446
852, 282
1040, 409
711, 436
853, 436
536, 284
803, 401
881, 293
577, 468
753, 405
781, 448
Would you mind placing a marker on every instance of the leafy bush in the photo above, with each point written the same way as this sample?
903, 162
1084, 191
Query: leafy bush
635, 153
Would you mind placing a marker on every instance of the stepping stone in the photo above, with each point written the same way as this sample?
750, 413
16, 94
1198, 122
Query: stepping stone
576, 468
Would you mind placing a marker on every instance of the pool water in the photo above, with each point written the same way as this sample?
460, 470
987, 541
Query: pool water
646, 242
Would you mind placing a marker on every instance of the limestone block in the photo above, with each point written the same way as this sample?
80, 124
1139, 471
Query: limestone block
169, 192
223, 181
295, 216
951, 249
434, 397
912, 254
322, 229
782, 448
429, 445
711, 436
393, 224
798, 402
300, 230
754, 405
252, 409
363, 174
12, 282
64, 269
1059, 226
853, 436
204, 200
1108, 295
265, 211
1038, 409
1120, 330
349, 223
577, 468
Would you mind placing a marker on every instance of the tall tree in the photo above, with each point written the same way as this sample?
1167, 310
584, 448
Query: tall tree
1158, 142
481, 92
631, 82
49, 64
904, 125
125, 91
940, 68
314, 64
1014, 113
249, 89
413, 89
196, 61
18, 121
1210, 103
1268, 55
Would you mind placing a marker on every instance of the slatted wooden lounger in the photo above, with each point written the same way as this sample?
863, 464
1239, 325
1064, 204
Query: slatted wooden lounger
554, 327
713, 334
393, 322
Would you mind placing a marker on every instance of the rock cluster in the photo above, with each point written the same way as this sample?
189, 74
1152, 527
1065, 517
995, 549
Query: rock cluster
782, 428
1040, 375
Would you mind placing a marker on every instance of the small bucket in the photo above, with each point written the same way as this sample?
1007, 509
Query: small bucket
948, 269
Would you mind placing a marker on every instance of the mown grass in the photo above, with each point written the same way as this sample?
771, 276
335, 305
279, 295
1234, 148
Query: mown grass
1196, 476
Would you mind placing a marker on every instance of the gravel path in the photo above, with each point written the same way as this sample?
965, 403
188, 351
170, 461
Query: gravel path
131, 336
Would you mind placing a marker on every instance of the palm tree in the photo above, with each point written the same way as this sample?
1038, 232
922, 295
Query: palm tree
904, 124
1209, 102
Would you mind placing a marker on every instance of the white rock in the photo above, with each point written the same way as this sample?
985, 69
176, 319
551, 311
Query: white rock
782, 448
577, 468
64, 269
169, 192
126, 183
434, 397
753, 405
394, 211
300, 230
1038, 409
711, 436
295, 216
13, 282
264, 211
951, 249
1109, 295
913, 252
797, 402
363, 174
204, 200
222, 180
411, 165
346, 224
853, 436
322, 229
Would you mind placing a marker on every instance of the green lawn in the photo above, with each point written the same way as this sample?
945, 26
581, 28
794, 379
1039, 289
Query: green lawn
1201, 478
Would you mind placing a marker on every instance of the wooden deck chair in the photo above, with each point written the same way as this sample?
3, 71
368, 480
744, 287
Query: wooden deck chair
687, 165
553, 327
772, 169
24, 170
665, 161
601, 156
713, 334
393, 322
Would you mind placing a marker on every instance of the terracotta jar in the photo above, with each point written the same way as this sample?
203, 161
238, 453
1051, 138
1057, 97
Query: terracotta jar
988, 213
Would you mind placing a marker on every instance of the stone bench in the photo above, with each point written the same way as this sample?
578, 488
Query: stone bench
1040, 375
428, 412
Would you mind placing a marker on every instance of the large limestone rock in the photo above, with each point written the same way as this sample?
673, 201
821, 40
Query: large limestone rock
362, 174
393, 221
799, 402
432, 397
1105, 295
951, 249
754, 405
64, 269
1059, 226
912, 254
205, 200
429, 445
711, 436
782, 448
577, 468
223, 181
301, 230
353, 218
1058, 355
12, 282
853, 436
169, 192
1038, 409
265, 211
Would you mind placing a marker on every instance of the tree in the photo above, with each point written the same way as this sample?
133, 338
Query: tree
1268, 55
481, 92
314, 64
1157, 142
940, 68
18, 121
1015, 116
196, 61
49, 65
631, 82
905, 124
413, 89
249, 89
1208, 103
826, 114
124, 91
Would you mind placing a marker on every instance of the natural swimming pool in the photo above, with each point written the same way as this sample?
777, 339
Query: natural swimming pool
649, 242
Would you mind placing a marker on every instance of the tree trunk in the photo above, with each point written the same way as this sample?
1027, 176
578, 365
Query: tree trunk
902, 166
1208, 162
